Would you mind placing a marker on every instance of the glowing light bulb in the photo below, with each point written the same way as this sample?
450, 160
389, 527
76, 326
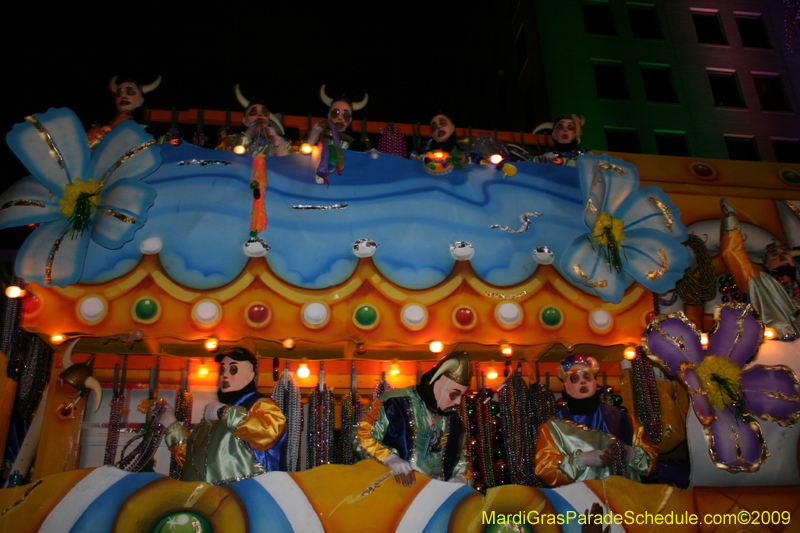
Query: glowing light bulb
57, 338
238, 150
14, 292
506, 350
305, 148
394, 368
495, 158
203, 369
211, 344
438, 155
436, 347
289, 343
704, 339
770, 333
629, 353
303, 372
492, 373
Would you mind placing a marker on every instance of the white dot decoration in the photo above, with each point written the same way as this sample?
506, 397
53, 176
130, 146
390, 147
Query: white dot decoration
543, 255
151, 245
508, 313
206, 312
315, 313
254, 249
462, 251
92, 308
600, 320
414, 315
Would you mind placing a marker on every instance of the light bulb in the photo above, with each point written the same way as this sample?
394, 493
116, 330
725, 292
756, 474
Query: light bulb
57, 338
211, 344
289, 343
629, 353
436, 347
12, 291
303, 372
770, 333
305, 148
492, 374
495, 158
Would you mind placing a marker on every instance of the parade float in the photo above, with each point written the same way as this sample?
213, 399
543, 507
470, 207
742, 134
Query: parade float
348, 279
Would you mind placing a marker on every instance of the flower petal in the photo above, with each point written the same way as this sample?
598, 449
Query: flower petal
124, 153
605, 181
772, 393
737, 334
653, 259
584, 263
121, 212
734, 445
39, 261
670, 340
28, 202
650, 207
52, 146
703, 409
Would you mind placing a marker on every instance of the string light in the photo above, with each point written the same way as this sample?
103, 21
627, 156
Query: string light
506, 350
436, 346
57, 338
629, 353
211, 344
770, 333
303, 372
492, 374
15, 292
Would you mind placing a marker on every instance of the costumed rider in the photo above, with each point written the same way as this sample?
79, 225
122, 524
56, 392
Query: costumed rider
443, 137
588, 439
261, 135
340, 113
775, 292
418, 428
566, 132
128, 100
242, 435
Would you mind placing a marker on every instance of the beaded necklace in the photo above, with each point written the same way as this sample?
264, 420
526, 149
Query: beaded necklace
351, 416
287, 395
648, 406
183, 413
146, 449
483, 419
114, 421
518, 430
320, 446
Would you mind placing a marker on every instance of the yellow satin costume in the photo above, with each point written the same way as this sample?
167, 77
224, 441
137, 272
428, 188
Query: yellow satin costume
217, 453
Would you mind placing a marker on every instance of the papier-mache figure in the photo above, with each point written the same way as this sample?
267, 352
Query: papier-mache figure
128, 100
775, 292
588, 439
340, 114
262, 133
242, 435
443, 137
566, 132
418, 428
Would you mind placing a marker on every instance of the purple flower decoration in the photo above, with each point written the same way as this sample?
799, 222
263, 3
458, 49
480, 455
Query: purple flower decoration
724, 397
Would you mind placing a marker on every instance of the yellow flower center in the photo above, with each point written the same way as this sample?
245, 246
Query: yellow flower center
88, 192
722, 380
606, 226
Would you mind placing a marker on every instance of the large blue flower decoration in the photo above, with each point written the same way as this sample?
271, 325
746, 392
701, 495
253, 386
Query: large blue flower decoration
74, 194
634, 234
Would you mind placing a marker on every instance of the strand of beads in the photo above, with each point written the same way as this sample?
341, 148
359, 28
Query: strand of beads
648, 406
515, 410
543, 406
34, 378
9, 335
183, 413
114, 421
617, 451
321, 448
287, 395
146, 449
483, 419
351, 416
380, 388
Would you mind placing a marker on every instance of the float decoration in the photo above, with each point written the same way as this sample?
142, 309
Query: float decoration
723, 396
287, 395
634, 234
75, 195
